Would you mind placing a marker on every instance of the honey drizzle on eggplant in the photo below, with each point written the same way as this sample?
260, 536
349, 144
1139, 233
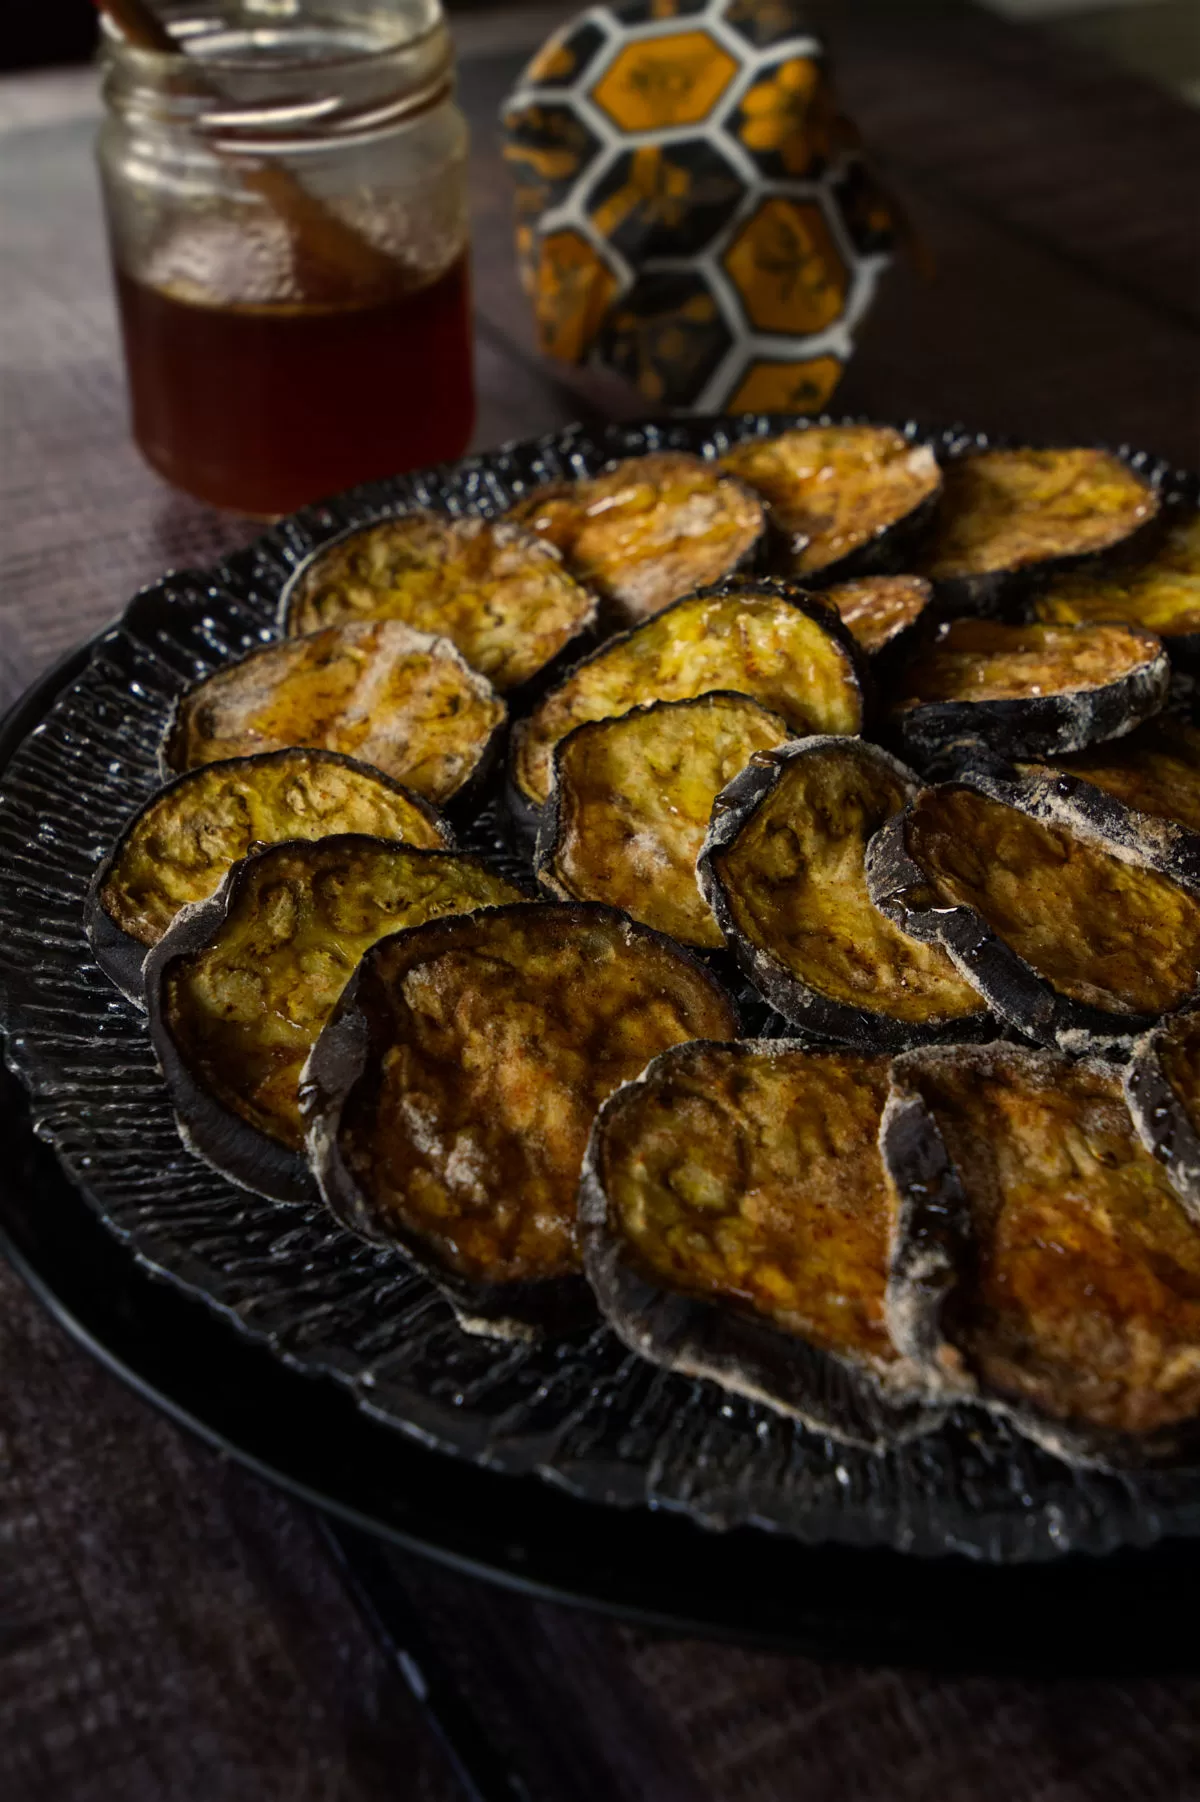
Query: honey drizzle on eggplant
757, 1180
796, 887
1101, 930
245, 1010
1082, 1293
495, 1041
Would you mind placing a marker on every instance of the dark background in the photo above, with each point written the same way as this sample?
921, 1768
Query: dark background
1159, 40
46, 31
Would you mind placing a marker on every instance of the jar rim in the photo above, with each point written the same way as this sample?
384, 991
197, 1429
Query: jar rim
192, 24
335, 88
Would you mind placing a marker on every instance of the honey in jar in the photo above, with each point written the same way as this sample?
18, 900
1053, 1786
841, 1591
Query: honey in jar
287, 213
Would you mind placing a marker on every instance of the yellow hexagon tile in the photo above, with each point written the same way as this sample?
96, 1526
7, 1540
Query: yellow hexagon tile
676, 79
788, 272
780, 387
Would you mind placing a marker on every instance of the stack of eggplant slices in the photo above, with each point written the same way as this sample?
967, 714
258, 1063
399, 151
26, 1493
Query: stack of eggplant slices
904, 745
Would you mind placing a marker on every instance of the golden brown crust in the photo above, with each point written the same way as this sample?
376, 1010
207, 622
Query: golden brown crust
1102, 931
795, 887
1160, 590
981, 660
497, 592
755, 1179
877, 609
832, 489
379, 691
1008, 509
1082, 1294
181, 845
495, 1045
1155, 770
749, 642
1178, 1050
633, 797
649, 530
245, 1011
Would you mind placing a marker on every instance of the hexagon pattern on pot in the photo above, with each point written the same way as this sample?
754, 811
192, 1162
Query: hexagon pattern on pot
693, 210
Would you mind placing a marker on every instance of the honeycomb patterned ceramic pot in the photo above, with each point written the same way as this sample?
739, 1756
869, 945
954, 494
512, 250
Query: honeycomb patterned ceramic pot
693, 211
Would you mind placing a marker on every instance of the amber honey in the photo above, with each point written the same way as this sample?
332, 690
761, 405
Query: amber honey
264, 408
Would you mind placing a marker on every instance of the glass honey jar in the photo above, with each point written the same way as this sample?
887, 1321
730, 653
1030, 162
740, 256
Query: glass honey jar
287, 211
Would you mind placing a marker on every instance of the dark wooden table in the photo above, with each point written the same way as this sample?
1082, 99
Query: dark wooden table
169, 1626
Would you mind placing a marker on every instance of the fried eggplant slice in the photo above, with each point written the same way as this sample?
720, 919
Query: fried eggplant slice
1158, 589
1148, 784
451, 1095
736, 1220
1156, 770
177, 849
648, 529
503, 596
1005, 513
1154, 774
1029, 691
629, 808
842, 499
1043, 1264
880, 610
782, 869
240, 986
784, 649
1162, 1087
1074, 933
398, 699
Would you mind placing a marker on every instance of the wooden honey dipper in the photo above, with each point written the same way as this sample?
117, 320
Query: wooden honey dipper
332, 259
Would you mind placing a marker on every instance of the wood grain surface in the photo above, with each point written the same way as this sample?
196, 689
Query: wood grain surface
170, 1628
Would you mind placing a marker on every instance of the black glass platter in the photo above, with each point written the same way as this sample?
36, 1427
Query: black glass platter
312, 1304
1114, 1615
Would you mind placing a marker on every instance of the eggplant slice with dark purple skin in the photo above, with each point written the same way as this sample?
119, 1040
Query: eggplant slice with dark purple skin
843, 500
1162, 1087
1156, 587
648, 529
451, 1095
782, 869
736, 1221
1151, 777
177, 849
1079, 934
1155, 771
1029, 691
1043, 1266
240, 986
629, 808
785, 649
882, 612
401, 700
1006, 515
499, 593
